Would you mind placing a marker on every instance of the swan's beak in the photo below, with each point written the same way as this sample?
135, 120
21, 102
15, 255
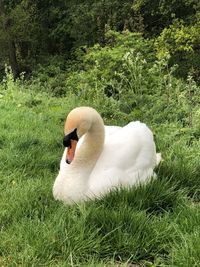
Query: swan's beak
71, 151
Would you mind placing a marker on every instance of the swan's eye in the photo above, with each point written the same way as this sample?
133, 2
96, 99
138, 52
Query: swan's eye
67, 141
71, 136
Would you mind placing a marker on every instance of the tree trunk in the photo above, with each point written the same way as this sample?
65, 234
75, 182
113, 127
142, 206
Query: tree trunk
13, 59
11, 44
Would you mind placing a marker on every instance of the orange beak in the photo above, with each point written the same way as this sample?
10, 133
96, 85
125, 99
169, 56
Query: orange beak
71, 151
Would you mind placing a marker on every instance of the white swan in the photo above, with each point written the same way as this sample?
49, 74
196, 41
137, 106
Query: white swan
106, 157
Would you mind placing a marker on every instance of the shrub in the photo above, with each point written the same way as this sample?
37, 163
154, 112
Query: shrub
182, 43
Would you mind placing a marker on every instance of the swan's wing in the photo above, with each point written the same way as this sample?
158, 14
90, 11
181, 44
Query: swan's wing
111, 129
135, 145
130, 148
128, 157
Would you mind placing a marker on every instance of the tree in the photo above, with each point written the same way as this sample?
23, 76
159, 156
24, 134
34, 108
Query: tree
160, 14
9, 40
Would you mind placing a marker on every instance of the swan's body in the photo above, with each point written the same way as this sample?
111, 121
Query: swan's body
106, 157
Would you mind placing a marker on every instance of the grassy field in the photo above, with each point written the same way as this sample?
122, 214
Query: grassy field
157, 224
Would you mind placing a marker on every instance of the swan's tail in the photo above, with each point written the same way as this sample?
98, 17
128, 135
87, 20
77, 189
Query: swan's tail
158, 158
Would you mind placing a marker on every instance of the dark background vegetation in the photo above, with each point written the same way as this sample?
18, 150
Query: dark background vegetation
47, 32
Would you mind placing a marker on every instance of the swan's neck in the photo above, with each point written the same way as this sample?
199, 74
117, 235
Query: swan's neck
91, 148
72, 182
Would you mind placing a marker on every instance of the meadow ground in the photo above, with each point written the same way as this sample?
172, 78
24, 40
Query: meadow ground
157, 224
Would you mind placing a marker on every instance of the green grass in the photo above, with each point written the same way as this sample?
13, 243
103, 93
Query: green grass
152, 225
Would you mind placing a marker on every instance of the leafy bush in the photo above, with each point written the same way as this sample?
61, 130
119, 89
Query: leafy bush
182, 43
123, 80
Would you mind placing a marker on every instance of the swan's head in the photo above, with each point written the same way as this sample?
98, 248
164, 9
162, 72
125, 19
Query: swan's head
78, 122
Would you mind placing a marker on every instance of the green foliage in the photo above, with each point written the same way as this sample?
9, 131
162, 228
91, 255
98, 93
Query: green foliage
32, 32
182, 43
116, 74
110, 71
158, 15
124, 79
156, 224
